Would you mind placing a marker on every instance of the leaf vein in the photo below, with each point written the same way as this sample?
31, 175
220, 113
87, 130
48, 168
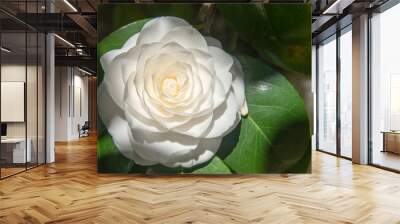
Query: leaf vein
259, 129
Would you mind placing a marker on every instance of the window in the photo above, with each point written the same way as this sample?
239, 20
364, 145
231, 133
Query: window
327, 96
346, 92
334, 106
385, 89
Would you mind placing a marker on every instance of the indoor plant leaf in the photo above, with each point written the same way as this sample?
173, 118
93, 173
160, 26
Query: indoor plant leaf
275, 135
280, 39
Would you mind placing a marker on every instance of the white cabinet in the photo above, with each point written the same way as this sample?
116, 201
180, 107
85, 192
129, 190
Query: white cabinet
19, 155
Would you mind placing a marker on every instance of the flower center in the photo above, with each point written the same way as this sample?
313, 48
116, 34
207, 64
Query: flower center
170, 87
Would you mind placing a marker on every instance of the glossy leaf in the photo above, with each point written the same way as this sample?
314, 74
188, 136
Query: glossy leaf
275, 135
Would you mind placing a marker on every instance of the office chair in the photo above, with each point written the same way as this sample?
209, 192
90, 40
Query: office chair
84, 130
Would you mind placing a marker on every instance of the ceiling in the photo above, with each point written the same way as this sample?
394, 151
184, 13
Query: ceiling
74, 21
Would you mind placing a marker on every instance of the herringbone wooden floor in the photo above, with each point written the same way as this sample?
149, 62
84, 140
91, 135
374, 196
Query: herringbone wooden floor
70, 191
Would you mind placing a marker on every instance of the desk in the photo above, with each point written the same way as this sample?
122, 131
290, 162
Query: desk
16, 147
391, 141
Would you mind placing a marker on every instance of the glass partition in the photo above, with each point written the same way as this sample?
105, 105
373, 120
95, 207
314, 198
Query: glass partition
22, 77
327, 96
346, 93
14, 145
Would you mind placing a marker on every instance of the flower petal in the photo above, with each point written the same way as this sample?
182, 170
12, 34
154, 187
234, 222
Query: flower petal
238, 85
136, 113
226, 117
226, 80
203, 153
113, 82
211, 41
222, 63
187, 37
163, 147
139, 123
131, 42
128, 62
203, 58
218, 93
113, 119
196, 127
155, 29
109, 56
121, 135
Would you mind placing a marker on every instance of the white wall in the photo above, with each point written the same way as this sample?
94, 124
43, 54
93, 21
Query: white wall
62, 81
70, 83
79, 117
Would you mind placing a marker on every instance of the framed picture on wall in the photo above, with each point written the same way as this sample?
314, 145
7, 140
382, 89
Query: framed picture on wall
203, 88
12, 101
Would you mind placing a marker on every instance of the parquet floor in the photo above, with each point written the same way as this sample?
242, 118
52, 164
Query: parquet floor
10, 171
70, 191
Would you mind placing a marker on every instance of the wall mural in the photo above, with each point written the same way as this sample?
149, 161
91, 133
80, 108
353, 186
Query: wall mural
202, 88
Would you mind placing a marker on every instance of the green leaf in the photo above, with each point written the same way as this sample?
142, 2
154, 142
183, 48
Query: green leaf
275, 135
281, 33
216, 166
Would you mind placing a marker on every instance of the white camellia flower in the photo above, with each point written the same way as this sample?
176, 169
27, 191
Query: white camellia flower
170, 95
